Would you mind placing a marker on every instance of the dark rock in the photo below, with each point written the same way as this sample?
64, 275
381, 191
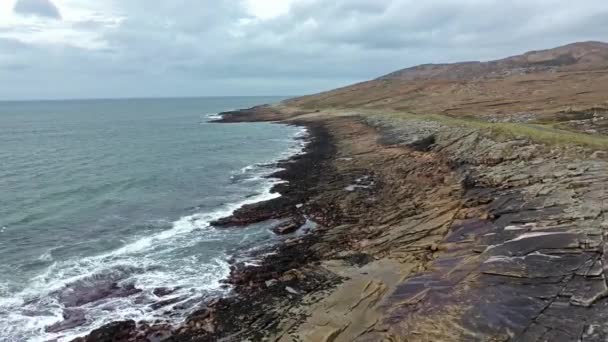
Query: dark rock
424, 145
95, 288
72, 318
290, 226
166, 302
531, 242
358, 259
163, 291
113, 332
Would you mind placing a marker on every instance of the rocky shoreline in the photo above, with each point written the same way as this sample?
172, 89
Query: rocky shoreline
220, 317
417, 231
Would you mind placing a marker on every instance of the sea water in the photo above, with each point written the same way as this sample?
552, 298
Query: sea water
105, 208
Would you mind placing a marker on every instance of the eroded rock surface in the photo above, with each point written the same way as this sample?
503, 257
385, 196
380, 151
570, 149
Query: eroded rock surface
523, 260
423, 232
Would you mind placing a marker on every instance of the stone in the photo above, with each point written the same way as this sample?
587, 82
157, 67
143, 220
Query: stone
291, 290
163, 291
290, 226
72, 318
117, 331
534, 241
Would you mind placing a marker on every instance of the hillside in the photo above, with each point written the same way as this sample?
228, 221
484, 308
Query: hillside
570, 77
406, 226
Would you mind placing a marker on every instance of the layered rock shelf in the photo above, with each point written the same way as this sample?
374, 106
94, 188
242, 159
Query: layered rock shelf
423, 232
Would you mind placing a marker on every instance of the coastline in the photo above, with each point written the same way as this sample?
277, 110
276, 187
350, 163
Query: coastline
293, 272
74, 285
424, 231
297, 176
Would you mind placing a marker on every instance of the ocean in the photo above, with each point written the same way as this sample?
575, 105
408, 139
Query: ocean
105, 208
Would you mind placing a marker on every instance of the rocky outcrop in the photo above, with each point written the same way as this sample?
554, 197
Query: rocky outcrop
425, 232
524, 258
465, 237
258, 114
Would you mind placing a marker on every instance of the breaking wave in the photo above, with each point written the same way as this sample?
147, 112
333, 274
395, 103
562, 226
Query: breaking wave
151, 277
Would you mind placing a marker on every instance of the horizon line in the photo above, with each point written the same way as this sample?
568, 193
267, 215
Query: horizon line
139, 98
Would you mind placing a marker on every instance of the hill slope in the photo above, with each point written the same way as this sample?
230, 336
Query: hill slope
547, 81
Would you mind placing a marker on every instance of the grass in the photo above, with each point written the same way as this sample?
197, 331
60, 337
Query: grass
541, 133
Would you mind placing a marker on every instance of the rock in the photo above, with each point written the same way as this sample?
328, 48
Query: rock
290, 226
356, 258
88, 292
523, 262
117, 331
589, 293
291, 290
163, 291
292, 275
166, 302
422, 144
534, 265
530, 242
72, 318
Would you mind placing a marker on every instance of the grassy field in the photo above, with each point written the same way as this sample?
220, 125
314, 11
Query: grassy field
541, 133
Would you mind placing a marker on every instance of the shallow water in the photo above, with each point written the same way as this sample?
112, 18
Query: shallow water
103, 202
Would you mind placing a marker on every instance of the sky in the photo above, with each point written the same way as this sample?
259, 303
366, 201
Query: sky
54, 49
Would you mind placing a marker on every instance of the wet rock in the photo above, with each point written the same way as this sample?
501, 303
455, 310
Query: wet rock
166, 302
72, 318
290, 226
95, 289
113, 332
163, 291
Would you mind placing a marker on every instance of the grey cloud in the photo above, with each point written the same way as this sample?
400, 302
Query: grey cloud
193, 47
11, 45
42, 8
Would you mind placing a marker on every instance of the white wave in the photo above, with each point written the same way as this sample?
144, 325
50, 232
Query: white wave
147, 262
248, 168
214, 116
301, 134
259, 171
47, 256
193, 222
29, 312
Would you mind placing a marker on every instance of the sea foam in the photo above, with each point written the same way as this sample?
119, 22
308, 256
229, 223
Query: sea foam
145, 263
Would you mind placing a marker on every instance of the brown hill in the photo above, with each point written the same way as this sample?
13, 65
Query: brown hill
547, 81
577, 56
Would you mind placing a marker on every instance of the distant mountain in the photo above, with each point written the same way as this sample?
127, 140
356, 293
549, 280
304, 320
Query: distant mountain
547, 81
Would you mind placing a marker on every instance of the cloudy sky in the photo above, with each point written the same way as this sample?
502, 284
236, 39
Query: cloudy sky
147, 48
